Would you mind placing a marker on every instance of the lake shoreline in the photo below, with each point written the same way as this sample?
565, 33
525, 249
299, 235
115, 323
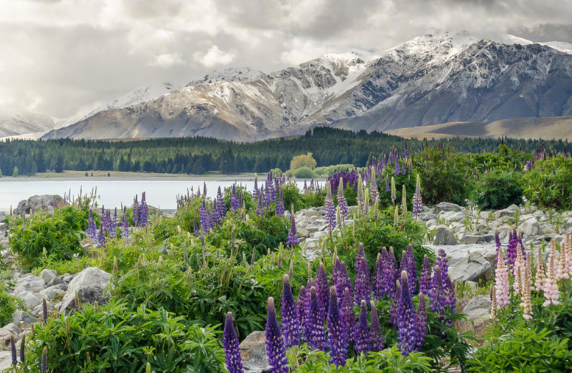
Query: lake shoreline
131, 176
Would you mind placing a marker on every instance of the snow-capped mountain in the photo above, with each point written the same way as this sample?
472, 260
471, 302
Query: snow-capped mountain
16, 122
429, 80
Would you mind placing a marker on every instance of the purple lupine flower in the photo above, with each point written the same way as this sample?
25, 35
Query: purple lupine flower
406, 319
255, 192
387, 188
342, 281
260, 208
290, 320
13, 350
135, 211
449, 291
275, 342
348, 316
376, 338
437, 297
270, 188
519, 237
144, 210
363, 282
221, 205
323, 290
234, 201
280, 204
337, 268
361, 335
195, 228
307, 326
125, 227
528, 165
204, 217
411, 270
403, 169
337, 336
425, 277
378, 277
342, 203
100, 241
330, 208
231, 348
397, 169
301, 306
421, 320
292, 238
316, 335
443, 262
91, 227
391, 273
394, 307
216, 219
511, 249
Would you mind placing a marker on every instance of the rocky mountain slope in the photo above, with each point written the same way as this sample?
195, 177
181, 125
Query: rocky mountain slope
429, 80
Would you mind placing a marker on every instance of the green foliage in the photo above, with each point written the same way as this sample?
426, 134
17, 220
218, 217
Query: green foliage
8, 305
548, 184
498, 190
443, 180
329, 170
302, 173
59, 234
15, 172
388, 361
112, 338
526, 350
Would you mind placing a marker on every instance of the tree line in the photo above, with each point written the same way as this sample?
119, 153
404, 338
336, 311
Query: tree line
197, 155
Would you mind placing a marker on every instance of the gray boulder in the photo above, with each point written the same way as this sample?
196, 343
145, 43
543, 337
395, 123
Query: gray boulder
23, 319
444, 236
29, 283
55, 281
530, 227
474, 267
472, 238
446, 206
478, 308
253, 353
48, 275
30, 299
5, 360
38, 202
90, 284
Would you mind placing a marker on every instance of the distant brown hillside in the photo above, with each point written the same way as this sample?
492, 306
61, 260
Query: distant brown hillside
522, 128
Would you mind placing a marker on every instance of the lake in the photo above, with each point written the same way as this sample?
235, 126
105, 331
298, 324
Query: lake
160, 193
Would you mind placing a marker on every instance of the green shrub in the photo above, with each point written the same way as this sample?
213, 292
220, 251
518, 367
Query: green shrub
443, 180
303, 173
8, 305
548, 184
113, 339
498, 190
526, 350
59, 234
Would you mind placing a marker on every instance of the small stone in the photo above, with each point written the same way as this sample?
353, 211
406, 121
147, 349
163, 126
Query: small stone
30, 299
253, 353
23, 319
444, 236
55, 281
48, 275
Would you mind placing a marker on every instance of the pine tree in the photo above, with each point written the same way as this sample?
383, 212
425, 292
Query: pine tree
41, 161
15, 172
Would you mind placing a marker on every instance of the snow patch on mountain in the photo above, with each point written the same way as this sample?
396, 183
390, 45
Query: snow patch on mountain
15, 122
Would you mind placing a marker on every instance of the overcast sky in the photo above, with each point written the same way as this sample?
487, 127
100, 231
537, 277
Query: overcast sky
61, 57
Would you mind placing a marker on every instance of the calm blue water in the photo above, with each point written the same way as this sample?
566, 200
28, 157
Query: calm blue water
160, 193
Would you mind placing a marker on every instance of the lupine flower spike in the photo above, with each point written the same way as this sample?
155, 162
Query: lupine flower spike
421, 322
275, 342
406, 319
550, 286
45, 360
501, 283
337, 337
315, 332
526, 275
361, 335
290, 320
231, 348
376, 338
348, 315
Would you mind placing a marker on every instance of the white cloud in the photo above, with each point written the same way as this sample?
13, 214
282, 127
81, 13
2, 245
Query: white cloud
167, 60
215, 56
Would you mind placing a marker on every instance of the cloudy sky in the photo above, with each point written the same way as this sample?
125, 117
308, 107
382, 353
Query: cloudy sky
62, 57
